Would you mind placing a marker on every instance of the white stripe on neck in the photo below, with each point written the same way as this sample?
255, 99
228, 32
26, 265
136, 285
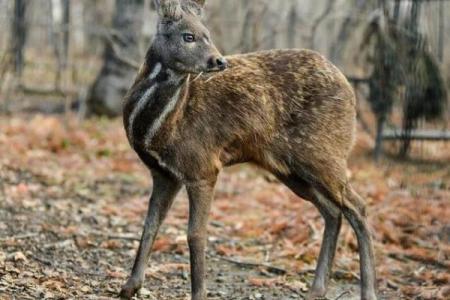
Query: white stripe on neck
155, 71
142, 102
162, 117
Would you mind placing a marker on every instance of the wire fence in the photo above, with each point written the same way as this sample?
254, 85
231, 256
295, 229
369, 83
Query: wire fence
64, 71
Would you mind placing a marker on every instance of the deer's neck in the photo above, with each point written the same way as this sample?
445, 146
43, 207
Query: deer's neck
153, 98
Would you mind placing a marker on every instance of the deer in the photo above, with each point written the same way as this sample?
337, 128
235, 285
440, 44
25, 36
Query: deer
191, 112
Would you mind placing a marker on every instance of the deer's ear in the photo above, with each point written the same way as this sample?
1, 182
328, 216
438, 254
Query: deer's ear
200, 3
194, 6
169, 9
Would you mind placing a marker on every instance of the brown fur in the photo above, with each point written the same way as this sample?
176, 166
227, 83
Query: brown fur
276, 110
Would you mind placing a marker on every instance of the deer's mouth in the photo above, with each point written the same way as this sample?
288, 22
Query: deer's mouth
215, 70
182, 68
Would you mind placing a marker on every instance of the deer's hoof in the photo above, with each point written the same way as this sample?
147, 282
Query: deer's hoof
199, 296
369, 296
312, 297
316, 294
130, 288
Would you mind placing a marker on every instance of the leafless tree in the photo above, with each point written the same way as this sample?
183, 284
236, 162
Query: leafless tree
441, 30
61, 37
121, 52
18, 36
291, 32
353, 19
328, 9
249, 34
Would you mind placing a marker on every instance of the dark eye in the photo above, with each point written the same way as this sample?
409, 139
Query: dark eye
189, 38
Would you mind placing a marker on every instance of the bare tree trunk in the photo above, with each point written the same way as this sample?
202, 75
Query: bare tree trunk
18, 36
118, 71
61, 38
396, 15
77, 23
270, 27
292, 26
415, 15
382, 81
409, 123
378, 150
441, 31
247, 38
349, 24
328, 8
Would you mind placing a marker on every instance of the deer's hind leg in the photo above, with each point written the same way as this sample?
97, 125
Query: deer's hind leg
333, 219
353, 208
354, 211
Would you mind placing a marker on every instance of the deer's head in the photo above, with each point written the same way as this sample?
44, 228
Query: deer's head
182, 41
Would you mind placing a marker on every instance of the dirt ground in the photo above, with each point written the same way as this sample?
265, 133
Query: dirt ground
73, 197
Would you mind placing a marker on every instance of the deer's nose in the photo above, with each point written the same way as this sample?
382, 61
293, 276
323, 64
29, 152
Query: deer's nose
219, 63
222, 63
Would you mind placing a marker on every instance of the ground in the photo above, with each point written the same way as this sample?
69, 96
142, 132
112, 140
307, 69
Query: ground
73, 197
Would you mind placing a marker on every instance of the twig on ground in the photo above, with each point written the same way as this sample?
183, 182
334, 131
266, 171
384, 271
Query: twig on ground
115, 236
61, 244
425, 260
87, 272
342, 295
340, 274
271, 269
42, 260
306, 271
20, 236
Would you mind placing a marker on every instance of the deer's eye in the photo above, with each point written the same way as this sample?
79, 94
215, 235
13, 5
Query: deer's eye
188, 37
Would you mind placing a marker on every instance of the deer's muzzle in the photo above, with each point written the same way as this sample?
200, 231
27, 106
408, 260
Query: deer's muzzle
217, 63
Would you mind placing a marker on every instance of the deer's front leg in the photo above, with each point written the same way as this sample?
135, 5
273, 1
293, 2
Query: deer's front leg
200, 197
164, 191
